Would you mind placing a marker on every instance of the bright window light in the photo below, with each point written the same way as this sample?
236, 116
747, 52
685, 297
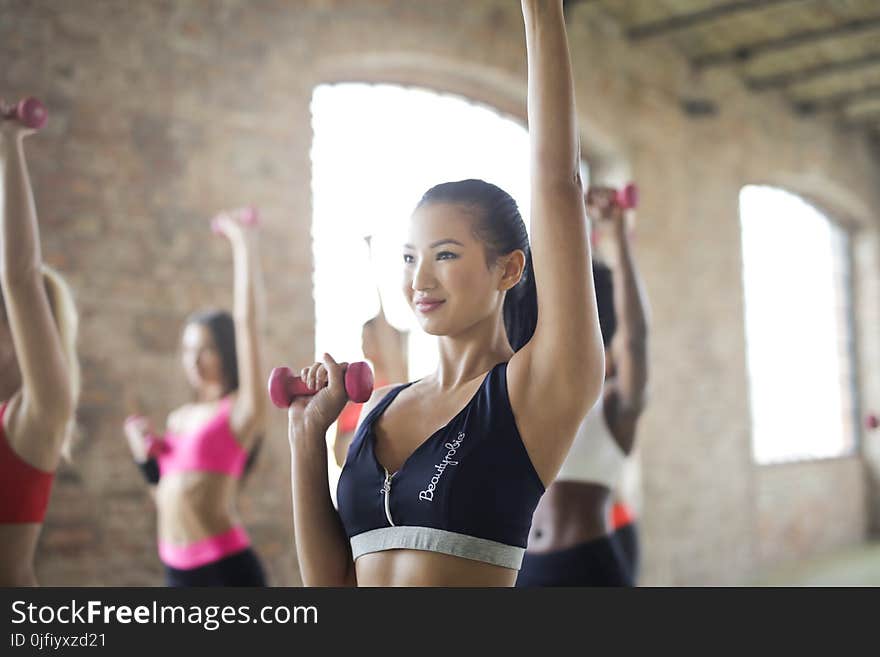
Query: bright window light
376, 150
798, 328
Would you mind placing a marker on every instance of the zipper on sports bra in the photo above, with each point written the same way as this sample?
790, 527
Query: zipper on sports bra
386, 490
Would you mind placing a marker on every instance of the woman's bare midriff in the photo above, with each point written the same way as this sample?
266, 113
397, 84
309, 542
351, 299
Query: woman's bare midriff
569, 513
421, 568
195, 505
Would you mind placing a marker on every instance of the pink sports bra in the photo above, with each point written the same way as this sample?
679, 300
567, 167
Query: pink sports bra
210, 448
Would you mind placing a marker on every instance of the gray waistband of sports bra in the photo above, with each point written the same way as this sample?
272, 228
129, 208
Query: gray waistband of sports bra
437, 540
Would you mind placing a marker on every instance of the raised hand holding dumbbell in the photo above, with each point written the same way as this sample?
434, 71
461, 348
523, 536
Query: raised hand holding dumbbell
284, 386
30, 112
247, 216
607, 201
606, 207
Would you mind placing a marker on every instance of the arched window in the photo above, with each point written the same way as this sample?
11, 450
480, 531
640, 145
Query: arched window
798, 316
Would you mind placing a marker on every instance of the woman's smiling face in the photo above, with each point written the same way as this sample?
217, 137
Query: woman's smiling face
446, 279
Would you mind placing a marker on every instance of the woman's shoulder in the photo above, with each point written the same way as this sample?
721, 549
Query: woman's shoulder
378, 395
176, 417
181, 418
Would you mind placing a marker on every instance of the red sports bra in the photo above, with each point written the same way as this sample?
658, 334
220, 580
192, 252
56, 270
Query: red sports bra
24, 489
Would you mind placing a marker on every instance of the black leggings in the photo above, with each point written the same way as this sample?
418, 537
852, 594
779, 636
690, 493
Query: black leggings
239, 569
628, 539
599, 562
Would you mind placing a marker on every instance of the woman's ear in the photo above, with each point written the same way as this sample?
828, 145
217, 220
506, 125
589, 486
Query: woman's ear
512, 266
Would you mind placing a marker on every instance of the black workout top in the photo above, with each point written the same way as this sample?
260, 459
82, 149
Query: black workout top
468, 490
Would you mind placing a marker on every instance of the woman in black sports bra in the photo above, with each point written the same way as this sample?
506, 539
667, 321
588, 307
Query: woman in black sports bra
425, 500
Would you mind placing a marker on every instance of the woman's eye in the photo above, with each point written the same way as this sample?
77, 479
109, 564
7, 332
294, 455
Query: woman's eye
408, 259
446, 255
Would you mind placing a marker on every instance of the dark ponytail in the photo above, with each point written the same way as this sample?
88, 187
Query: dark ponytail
500, 226
604, 283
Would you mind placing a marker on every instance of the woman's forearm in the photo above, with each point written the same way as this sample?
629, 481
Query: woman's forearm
321, 544
245, 262
552, 120
631, 342
247, 328
629, 296
20, 258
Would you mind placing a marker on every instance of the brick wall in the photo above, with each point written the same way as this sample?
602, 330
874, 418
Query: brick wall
163, 112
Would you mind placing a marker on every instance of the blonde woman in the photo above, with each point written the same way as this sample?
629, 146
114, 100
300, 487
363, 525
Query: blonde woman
39, 373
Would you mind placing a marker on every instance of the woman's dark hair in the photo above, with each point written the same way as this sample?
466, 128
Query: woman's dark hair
222, 328
500, 227
604, 285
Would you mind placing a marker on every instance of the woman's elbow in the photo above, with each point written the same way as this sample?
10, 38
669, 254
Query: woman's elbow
594, 374
59, 412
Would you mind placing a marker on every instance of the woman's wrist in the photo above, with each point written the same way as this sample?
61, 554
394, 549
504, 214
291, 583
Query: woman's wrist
244, 244
619, 233
11, 144
305, 439
539, 7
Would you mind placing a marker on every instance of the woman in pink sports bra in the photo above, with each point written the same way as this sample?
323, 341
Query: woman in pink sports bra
39, 373
195, 468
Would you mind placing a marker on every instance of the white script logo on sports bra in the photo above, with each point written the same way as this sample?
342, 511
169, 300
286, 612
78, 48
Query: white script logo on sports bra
428, 493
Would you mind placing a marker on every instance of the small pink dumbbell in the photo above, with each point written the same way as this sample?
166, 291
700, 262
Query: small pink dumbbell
628, 197
30, 111
284, 386
248, 216
872, 421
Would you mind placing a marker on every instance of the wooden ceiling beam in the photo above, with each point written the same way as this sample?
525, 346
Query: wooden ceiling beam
681, 22
866, 117
869, 122
750, 50
836, 101
789, 78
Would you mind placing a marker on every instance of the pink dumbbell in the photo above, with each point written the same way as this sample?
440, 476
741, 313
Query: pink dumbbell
628, 197
284, 386
248, 216
872, 421
156, 445
29, 111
